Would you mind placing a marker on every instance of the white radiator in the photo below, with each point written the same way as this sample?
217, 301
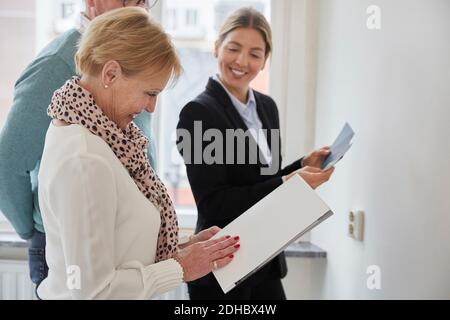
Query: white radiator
15, 283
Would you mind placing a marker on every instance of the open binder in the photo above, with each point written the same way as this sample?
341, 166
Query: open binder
267, 228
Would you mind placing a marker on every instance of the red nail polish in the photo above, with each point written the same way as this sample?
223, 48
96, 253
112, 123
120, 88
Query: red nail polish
237, 246
232, 256
236, 238
228, 237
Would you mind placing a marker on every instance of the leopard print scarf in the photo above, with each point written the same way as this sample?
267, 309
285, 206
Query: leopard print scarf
75, 105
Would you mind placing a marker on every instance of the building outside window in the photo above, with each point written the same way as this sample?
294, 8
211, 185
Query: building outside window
191, 17
171, 19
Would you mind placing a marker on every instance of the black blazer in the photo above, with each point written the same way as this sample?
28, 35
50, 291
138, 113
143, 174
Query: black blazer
224, 191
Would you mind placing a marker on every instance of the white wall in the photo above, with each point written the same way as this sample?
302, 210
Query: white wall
292, 73
393, 86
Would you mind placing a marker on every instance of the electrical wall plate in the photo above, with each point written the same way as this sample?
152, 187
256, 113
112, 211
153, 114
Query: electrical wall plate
356, 224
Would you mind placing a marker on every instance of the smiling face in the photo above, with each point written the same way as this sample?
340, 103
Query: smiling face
241, 56
134, 95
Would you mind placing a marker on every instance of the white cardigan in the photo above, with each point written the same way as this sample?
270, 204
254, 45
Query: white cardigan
97, 222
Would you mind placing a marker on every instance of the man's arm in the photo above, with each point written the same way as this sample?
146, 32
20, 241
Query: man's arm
23, 136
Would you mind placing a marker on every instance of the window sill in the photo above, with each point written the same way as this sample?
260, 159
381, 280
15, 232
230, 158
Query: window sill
304, 249
187, 219
11, 240
296, 250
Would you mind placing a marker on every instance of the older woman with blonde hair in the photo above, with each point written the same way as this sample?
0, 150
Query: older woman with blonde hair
110, 224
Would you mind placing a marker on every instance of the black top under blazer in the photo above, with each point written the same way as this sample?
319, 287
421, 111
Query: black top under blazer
222, 192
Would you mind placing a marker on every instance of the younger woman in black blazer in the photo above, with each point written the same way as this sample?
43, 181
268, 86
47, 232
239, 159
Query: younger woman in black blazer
225, 189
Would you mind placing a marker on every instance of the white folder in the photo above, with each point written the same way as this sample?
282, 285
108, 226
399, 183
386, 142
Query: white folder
268, 227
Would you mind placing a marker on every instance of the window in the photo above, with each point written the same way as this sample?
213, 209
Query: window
195, 43
191, 17
26, 26
172, 23
67, 10
65, 19
34, 23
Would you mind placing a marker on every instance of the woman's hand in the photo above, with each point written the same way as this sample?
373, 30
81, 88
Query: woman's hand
315, 158
313, 176
205, 234
201, 236
199, 259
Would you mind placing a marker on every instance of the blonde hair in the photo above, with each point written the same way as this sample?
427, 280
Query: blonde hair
248, 18
130, 37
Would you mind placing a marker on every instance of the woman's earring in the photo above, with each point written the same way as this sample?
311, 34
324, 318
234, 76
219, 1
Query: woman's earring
106, 86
